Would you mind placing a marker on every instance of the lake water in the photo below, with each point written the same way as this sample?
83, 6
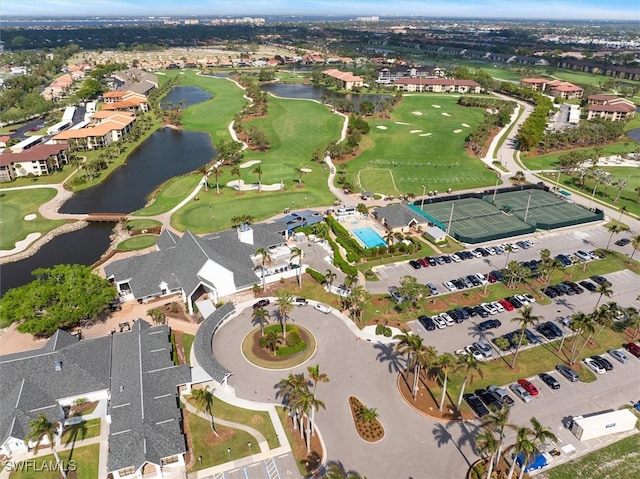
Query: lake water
185, 95
314, 92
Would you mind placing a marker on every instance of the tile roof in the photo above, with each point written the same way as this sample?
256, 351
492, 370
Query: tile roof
35, 153
436, 81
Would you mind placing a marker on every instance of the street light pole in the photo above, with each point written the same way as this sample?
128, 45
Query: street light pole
229, 452
526, 213
495, 189
424, 188
249, 444
450, 218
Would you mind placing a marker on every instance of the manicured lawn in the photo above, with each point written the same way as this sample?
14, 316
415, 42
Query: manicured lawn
231, 444
187, 343
396, 159
170, 194
14, 206
620, 459
137, 242
296, 128
85, 463
81, 431
142, 224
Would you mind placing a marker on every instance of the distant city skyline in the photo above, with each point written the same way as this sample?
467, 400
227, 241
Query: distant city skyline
509, 9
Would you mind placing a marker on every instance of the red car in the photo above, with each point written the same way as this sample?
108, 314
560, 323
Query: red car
506, 304
423, 262
528, 386
633, 348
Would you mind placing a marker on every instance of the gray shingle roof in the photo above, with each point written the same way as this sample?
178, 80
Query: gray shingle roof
203, 342
167, 239
398, 215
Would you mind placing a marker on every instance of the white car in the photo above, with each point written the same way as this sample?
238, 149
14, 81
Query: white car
476, 254
450, 286
514, 247
322, 308
491, 250
618, 355
455, 258
523, 299
498, 307
499, 249
475, 352
440, 323
482, 278
529, 298
595, 367
484, 349
298, 301
489, 308
447, 319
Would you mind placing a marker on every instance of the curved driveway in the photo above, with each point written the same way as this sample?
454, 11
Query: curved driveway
413, 446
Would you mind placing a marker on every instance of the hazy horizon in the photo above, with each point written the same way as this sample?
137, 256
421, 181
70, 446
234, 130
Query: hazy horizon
592, 10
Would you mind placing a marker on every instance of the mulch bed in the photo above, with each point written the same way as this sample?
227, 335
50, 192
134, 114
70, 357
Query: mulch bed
426, 403
265, 354
368, 431
312, 460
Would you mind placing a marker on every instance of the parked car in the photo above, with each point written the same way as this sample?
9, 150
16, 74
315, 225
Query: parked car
588, 285
414, 264
583, 256
455, 258
549, 330
466, 281
397, 297
446, 318
423, 262
491, 400
550, 292
594, 366
484, 348
618, 355
521, 393
549, 380
427, 323
568, 373
515, 302
261, 303
475, 352
474, 280
601, 280
470, 311
604, 363
480, 311
322, 308
450, 286
489, 324
489, 308
439, 322
623, 241
498, 306
462, 312
575, 287
528, 386
432, 261
433, 289
506, 305
476, 404
633, 348
299, 301
446, 259
502, 394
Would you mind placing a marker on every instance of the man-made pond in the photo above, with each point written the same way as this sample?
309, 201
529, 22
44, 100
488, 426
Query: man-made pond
184, 96
313, 92
84, 246
165, 154
634, 134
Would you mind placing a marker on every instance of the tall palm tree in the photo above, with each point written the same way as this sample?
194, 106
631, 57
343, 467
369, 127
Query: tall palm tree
217, 172
265, 259
40, 428
588, 326
471, 367
271, 340
605, 315
285, 306
541, 433
524, 445
260, 316
204, 402
614, 229
487, 446
635, 242
330, 277
297, 253
526, 319
411, 345
350, 280
317, 377
443, 364
236, 171
603, 290
303, 402
258, 171
498, 421
203, 171
315, 405
291, 387
577, 323
509, 249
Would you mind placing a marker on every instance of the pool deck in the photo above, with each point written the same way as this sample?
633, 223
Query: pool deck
357, 221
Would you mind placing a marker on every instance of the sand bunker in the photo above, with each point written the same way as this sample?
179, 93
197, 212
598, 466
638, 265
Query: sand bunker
417, 113
30, 217
381, 127
306, 170
20, 245
436, 106
465, 125
457, 131
240, 185
445, 114
401, 122
248, 164
415, 131
425, 134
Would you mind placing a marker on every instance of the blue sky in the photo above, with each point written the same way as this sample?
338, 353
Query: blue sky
559, 9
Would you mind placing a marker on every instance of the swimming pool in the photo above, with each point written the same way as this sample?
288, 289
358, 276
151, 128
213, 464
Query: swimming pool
369, 237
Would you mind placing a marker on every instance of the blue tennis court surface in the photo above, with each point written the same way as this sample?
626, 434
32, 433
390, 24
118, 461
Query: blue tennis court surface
369, 237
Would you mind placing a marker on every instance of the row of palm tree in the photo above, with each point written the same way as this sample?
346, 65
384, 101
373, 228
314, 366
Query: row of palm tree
298, 392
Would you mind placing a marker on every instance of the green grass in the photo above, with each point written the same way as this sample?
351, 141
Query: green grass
137, 242
14, 206
52, 179
215, 451
394, 161
142, 224
620, 459
170, 194
81, 431
85, 463
187, 343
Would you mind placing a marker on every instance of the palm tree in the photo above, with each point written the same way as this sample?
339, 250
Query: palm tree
271, 340
235, 171
285, 306
329, 277
350, 280
525, 446
605, 315
604, 290
261, 316
289, 388
526, 319
258, 171
368, 414
471, 368
588, 326
217, 172
635, 242
40, 428
315, 404
411, 345
203, 171
509, 249
204, 402
541, 433
390, 238
266, 259
317, 377
614, 229
487, 446
297, 253
443, 365
498, 421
